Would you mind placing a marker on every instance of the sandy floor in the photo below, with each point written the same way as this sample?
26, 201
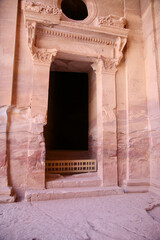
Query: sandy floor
112, 217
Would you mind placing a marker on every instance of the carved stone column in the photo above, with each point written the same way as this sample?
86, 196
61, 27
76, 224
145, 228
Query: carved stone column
42, 59
106, 120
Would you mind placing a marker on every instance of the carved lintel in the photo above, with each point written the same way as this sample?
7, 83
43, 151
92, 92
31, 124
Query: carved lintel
43, 56
112, 20
109, 64
41, 8
119, 46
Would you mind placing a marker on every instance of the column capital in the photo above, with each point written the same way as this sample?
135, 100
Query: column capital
40, 56
43, 56
107, 65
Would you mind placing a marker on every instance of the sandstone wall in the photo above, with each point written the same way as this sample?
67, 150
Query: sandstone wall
137, 94
151, 34
133, 141
8, 22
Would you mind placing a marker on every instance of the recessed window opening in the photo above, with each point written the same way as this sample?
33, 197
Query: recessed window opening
67, 119
74, 9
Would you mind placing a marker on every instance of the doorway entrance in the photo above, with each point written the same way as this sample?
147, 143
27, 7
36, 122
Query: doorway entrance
67, 118
66, 132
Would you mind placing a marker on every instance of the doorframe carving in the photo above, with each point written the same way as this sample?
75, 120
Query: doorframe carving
48, 38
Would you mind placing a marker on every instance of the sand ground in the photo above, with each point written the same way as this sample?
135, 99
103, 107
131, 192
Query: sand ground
119, 217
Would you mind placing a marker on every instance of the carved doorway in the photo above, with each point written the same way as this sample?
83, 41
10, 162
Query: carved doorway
101, 44
67, 132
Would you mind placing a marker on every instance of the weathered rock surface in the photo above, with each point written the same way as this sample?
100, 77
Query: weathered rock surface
122, 217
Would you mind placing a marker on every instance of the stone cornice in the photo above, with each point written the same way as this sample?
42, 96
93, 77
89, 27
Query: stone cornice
75, 36
108, 31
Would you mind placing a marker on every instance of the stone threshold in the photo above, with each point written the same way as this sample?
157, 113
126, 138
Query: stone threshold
66, 193
78, 180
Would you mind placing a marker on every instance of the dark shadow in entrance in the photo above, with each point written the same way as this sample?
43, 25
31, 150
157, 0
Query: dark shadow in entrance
67, 118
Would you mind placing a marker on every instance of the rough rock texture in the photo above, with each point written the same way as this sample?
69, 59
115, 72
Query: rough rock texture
123, 217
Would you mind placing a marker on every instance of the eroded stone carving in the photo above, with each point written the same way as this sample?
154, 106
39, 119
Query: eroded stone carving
31, 27
112, 20
40, 55
43, 55
109, 64
119, 46
41, 8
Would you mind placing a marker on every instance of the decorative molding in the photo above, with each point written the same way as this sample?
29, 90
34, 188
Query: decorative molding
41, 8
43, 56
119, 46
31, 28
106, 64
41, 22
40, 55
109, 64
74, 36
112, 20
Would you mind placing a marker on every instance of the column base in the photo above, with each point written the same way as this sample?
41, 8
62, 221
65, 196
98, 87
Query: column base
136, 186
6, 195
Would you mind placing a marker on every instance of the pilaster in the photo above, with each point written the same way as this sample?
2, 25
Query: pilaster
42, 59
106, 120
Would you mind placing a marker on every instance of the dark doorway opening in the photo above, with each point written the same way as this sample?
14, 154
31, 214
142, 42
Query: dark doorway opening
67, 118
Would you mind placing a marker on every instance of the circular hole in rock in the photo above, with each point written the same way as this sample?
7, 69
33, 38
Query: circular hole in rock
74, 9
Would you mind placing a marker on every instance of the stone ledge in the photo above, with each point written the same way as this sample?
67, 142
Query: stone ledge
73, 182
7, 199
136, 185
66, 193
135, 189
